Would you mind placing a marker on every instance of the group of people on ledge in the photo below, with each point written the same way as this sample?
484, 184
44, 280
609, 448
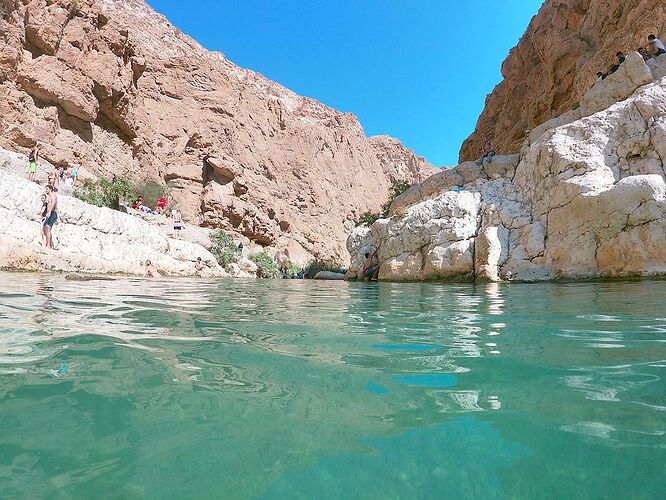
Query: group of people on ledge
59, 174
654, 48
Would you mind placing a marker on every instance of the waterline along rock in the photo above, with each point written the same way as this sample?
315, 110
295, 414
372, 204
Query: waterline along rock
112, 86
585, 198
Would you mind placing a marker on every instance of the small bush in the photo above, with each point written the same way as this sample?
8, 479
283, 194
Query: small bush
151, 191
223, 249
315, 266
266, 266
401, 212
104, 193
368, 218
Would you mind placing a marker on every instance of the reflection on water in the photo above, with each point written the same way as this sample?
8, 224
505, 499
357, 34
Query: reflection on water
283, 389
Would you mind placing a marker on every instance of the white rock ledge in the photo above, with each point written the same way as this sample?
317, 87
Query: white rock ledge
87, 238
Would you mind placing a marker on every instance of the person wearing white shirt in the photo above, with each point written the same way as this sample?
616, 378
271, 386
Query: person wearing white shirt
656, 46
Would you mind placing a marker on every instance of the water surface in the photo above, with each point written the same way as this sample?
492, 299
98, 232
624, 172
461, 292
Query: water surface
302, 389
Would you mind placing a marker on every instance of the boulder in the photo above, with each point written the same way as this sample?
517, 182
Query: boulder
329, 275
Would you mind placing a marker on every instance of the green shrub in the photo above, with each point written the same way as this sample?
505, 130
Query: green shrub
266, 266
104, 193
315, 266
223, 249
151, 191
368, 218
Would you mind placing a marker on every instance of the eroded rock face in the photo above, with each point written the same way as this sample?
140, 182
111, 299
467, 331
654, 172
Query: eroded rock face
112, 86
586, 197
556, 62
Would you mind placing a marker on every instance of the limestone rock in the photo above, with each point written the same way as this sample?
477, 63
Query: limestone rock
112, 86
585, 198
87, 238
329, 276
556, 61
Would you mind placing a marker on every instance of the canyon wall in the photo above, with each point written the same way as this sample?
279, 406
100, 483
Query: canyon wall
112, 86
556, 62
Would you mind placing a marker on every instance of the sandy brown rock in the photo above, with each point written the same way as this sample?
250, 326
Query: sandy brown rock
556, 62
114, 87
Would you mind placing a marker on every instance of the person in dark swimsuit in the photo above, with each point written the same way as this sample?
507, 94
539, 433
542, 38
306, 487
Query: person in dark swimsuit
50, 217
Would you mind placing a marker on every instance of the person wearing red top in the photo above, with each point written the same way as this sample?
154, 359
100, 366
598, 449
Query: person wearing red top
161, 204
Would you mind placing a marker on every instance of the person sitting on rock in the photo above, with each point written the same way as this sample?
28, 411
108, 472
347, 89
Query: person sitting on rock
615, 67
161, 204
199, 265
138, 203
645, 53
487, 153
150, 271
33, 158
655, 46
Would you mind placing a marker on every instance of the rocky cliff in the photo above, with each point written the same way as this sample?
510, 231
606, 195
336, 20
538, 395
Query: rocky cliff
585, 197
112, 86
556, 62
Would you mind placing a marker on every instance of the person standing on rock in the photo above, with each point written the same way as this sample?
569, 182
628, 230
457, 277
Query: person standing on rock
33, 158
655, 46
50, 217
74, 175
487, 153
177, 221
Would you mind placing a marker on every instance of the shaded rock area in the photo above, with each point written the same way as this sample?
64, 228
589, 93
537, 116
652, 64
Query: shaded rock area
556, 61
112, 86
584, 198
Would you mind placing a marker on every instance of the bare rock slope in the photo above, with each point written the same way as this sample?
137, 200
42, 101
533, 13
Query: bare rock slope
556, 62
112, 86
584, 198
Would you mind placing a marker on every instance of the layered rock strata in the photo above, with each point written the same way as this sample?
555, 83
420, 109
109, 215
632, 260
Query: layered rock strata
585, 198
556, 62
112, 86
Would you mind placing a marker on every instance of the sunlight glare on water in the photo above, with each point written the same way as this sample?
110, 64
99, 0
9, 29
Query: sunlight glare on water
303, 389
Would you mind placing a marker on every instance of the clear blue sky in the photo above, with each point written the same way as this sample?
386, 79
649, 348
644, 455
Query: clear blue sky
416, 70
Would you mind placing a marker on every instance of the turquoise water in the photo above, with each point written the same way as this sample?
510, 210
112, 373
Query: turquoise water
301, 389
